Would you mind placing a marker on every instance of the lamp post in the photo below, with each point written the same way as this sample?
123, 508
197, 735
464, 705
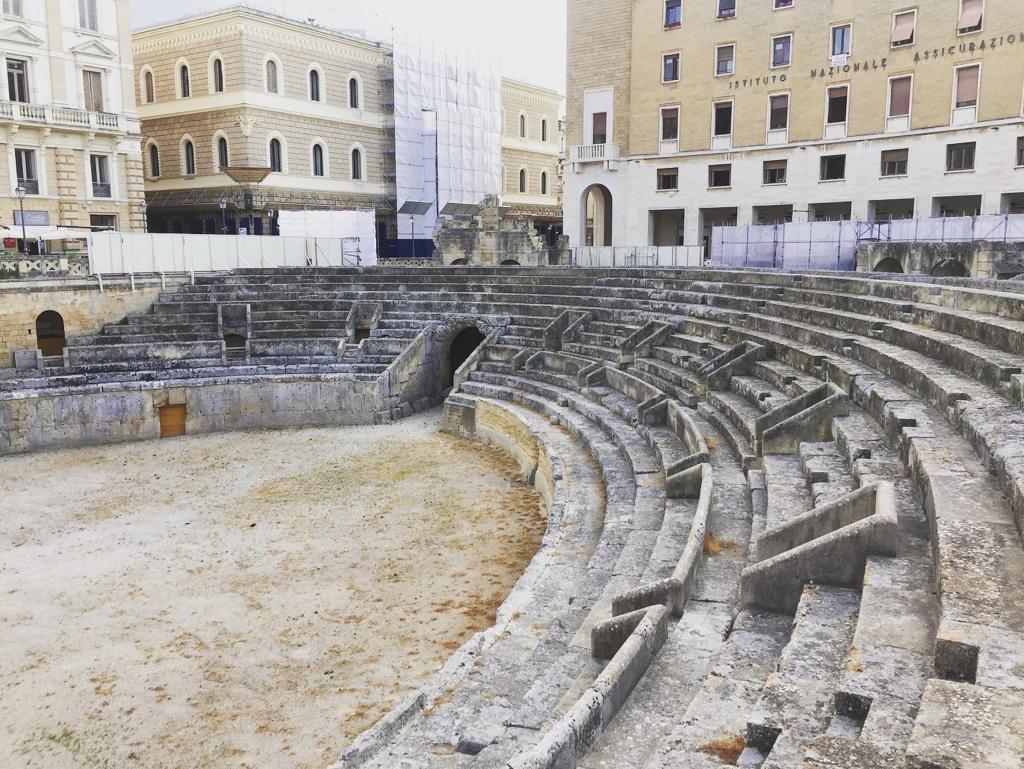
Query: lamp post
142, 210
24, 232
224, 215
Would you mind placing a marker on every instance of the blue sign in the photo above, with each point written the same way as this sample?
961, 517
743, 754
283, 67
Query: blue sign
33, 218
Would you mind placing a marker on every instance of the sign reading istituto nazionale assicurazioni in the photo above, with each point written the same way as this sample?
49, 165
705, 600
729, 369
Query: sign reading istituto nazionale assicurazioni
957, 51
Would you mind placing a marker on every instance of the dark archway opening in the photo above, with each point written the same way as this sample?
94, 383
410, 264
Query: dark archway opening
510, 263
889, 265
596, 216
949, 268
463, 345
50, 333
459, 262
234, 341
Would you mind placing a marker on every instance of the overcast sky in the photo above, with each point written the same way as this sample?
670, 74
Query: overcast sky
528, 35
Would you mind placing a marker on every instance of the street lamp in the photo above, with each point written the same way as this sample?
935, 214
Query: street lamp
24, 232
224, 215
142, 209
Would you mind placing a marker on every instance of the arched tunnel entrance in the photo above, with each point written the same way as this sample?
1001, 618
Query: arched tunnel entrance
462, 346
949, 268
50, 333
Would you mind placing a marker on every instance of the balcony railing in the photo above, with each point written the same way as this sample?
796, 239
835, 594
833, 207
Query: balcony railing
594, 153
47, 114
100, 190
31, 186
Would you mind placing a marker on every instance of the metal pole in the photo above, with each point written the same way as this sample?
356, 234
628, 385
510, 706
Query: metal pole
24, 231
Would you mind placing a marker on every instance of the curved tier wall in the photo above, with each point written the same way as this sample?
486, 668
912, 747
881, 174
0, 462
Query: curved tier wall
786, 510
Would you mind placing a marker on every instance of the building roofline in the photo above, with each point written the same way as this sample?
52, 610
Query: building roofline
532, 87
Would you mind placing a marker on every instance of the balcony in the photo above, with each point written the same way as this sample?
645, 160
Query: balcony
31, 186
100, 190
53, 115
594, 153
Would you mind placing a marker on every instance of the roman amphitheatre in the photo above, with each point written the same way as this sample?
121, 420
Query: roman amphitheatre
407, 518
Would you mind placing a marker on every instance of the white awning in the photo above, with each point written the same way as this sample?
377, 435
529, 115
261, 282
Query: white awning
970, 14
44, 233
903, 31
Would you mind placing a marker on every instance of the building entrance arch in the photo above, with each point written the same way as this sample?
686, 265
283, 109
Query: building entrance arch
596, 216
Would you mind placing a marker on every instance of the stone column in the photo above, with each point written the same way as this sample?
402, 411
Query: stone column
69, 194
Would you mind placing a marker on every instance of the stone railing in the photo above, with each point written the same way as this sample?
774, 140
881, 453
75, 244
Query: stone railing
56, 266
593, 153
49, 114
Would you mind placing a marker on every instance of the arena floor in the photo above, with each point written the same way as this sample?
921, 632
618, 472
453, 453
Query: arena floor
243, 600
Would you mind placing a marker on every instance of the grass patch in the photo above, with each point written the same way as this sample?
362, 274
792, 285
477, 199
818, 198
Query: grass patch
728, 748
714, 546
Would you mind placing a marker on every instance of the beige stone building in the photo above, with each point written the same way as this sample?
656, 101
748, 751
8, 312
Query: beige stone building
69, 133
240, 88
687, 114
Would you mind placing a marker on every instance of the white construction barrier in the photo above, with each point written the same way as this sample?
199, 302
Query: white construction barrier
638, 256
360, 225
122, 253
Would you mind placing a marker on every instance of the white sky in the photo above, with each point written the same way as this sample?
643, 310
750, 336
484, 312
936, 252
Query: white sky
528, 36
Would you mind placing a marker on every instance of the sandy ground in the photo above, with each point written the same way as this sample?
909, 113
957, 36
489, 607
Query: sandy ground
242, 600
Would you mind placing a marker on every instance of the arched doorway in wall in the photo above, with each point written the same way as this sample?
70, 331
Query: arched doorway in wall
596, 216
510, 263
462, 346
949, 268
461, 262
50, 333
889, 265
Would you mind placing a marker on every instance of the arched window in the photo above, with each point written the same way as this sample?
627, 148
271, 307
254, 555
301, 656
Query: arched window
276, 157
149, 87
185, 81
50, 333
522, 126
314, 85
218, 76
522, 180
190, 158
353, 93
318, 160
544, 183
271, 76
222, 153
544, 130
154, 161
357, 165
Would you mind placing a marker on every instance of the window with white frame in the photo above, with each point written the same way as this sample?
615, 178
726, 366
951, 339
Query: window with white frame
353, 93
12, 8
271, 76
778, 112
17, 80
218, 75
968, 82
673, 13
543, 182
723, 118
154, 161
774, 172
900, 94
726, 9
1020, 151
357, 164
838, 109
314, 85
544, 129
25, 169
778, 5
894, 162
92, 90
276, 152
189, 158
725, 59
960, 157
833, 168
223, 157
100, 169
720, 175
599, 124
670, 68
842, 40
148, 87
782, 50
522, 180
184, 82
318, 160
972, 14
87, 17
669, 124
904, 27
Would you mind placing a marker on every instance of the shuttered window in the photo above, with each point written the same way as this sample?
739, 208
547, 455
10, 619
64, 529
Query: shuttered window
967, 81
899, 96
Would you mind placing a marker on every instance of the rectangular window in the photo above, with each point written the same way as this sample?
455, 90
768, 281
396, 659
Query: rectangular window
903, 28
103, 222
778, 112
723, 118
726, 9
838, 104
782, 51
968, 79
725, 59
669, 124
670, 68
1020, 151
775, 171
778, 5
25, 165
833, 168
87, 18
600, 123
900, 89
971, 13
92, 82
100, 176
842, 39
720, 176
12, 8
673, 13
668, 178
960, 157
894, 162
17, 80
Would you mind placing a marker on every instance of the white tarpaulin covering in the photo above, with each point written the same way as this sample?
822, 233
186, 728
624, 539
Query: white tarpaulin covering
120, 253
357, 228
448, 118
